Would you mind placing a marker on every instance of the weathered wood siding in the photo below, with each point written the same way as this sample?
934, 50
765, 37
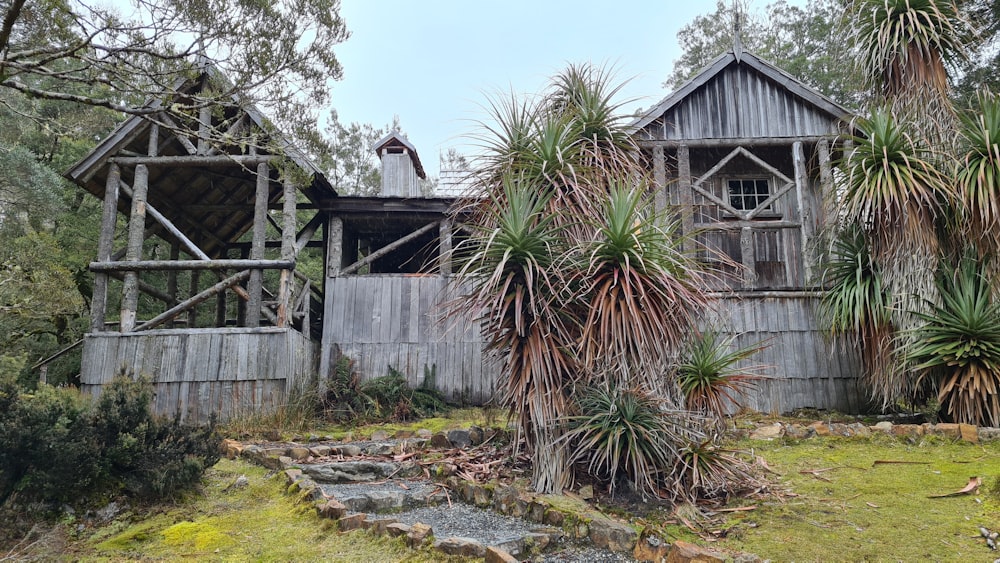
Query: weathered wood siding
740, 103
802, 365
396, 320
225, 371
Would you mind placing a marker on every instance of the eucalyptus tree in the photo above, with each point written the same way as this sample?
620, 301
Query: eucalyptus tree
277, 55
577, 278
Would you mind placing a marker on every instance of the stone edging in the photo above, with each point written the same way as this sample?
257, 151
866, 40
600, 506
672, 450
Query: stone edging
965, 432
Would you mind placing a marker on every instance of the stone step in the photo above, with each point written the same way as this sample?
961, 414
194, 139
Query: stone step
389, 496
360, 471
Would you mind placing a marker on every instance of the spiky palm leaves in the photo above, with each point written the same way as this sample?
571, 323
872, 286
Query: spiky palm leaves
978, 176
905, 48
957, 350
601, 291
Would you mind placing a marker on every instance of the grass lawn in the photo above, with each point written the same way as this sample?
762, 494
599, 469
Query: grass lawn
853, 509
256, 523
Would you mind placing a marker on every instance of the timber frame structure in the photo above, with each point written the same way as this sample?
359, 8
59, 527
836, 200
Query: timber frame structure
213, 204
743, 154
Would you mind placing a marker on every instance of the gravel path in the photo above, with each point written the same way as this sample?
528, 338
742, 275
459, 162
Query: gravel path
486, 526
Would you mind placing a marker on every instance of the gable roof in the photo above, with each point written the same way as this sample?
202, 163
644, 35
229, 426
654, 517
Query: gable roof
211, 203
758, 79
397, 139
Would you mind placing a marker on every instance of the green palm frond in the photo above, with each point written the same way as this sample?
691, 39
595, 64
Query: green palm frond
907, 45
957, 350
709, 375
978, 176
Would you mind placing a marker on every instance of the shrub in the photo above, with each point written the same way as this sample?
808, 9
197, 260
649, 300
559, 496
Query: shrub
56, 445
708, 376
703, 470
627, 434
383, 398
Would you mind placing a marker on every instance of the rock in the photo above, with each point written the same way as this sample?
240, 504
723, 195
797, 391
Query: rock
440, 441
397, 529
504, 498
884, 426
651, 548
351, 522
821, 428
283, 461
463, 547
403, 434
860, 429
799, 432
320, 451
684, 552
554, 517
379, 525
989, 434
903, 430
424, 434
748, 557
349, 471
949, 430
275, 452
346, 450
379, 435
241, 482
231, 448
418, 534
536, 511
608, 534
460, 438
333, 509
299, 453
586, 492
293, 475
476, 435
443, 470
768, 432
841, 429
969, 433
481, 496
497, 555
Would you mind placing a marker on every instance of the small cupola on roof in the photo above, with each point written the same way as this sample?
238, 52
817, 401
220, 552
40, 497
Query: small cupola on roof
401, 168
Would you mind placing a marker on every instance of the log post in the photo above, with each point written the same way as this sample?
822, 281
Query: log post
288, 232
748, 257
444, 248
334, 246
805, 209
659, 180
105, 244
204, 124
192, 312
686, 195
136, 226
255, 285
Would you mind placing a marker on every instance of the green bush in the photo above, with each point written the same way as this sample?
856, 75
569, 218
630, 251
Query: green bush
56, 445
383, 398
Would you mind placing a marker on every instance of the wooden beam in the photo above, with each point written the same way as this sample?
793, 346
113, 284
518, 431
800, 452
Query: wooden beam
190, 303
105, 243
194, 265
288, 250
189, 246
334, 246
805, 209
305, 235
175, 254
147, 288
748, 257
685, 193
153, 148
659, 180
204, 126
194, 160
192, 311
184, 141
234, 130
756, 224
389, 248
444, 246
736, 141
255, 285
136, 228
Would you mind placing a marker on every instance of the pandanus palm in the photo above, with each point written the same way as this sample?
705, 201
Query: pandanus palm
604, 292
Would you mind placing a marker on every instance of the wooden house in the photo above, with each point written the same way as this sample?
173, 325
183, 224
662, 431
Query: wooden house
272, 275
743, 151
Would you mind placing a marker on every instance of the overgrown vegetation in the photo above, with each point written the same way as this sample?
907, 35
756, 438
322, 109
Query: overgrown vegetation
386, 398
56, 445
709, 375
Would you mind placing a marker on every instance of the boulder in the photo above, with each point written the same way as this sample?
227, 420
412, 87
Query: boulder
969, 433
611, 535
651, 548
351, 522
460, 438
497, 555
463, 547
768, 432
333, 509
684, 552
418, 534
440, 441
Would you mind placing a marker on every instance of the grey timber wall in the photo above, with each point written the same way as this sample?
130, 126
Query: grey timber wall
397, 320
225, 371
802, 365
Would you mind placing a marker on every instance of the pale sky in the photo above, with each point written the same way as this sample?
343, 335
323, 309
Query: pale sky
433, 62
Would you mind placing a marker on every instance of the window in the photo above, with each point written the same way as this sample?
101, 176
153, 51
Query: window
747, 194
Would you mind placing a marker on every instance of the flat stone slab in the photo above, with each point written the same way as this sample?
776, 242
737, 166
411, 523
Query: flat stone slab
358, 471
385, 497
